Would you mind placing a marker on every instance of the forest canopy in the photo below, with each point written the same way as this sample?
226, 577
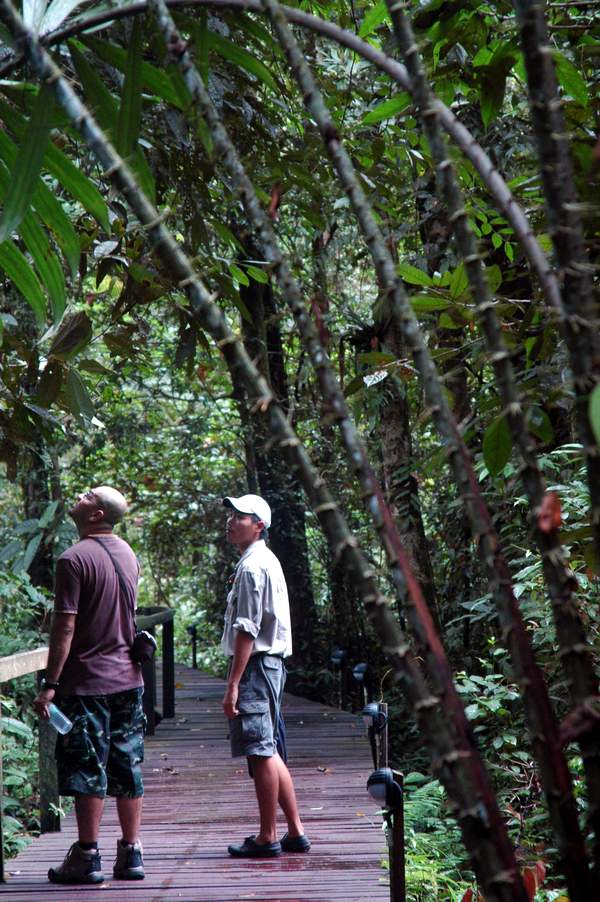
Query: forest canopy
344, 255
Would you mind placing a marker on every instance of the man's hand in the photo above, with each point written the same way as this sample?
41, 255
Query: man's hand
44, 697
230, 701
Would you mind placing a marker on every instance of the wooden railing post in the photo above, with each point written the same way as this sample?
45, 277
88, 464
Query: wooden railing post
168, 675
49, 797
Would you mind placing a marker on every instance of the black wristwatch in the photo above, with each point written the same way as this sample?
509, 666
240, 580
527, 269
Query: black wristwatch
46, 684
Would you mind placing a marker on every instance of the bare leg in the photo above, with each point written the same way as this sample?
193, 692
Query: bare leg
88, 810
287, 799
130, 816
266, 784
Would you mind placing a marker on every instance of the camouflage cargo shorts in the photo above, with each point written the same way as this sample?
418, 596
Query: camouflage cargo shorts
103, 753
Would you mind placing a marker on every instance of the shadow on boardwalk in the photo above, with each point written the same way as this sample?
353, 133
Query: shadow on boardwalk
198, 800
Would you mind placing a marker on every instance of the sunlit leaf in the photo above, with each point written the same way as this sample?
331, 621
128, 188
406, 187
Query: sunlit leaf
373, 19
388, 109
413, 275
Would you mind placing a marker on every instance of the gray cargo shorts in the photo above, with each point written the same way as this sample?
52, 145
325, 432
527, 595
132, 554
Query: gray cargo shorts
254, 730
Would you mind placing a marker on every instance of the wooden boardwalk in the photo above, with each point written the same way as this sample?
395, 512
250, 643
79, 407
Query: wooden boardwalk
198, 800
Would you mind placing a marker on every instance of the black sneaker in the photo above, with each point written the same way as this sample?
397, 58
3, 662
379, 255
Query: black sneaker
251, 849
80, 866
129, 863
295, 843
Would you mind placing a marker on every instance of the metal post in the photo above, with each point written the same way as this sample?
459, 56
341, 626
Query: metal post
149, 674
383, 736
397, 858
168, 675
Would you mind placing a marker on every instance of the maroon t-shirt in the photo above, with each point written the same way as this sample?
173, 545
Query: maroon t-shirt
99, 662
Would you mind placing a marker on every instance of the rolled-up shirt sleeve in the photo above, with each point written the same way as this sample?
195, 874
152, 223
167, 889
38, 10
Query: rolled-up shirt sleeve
249, 603
68, 582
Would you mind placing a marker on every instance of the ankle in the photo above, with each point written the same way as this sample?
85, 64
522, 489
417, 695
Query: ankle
88, 846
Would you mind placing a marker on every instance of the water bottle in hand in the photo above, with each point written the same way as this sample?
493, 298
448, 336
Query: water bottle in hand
59, 721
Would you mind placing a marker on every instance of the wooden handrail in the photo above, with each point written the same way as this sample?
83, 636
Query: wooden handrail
24, 662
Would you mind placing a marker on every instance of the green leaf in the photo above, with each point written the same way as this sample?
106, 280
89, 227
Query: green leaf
494, 277
259, 275
388, 109
74, 333
413, 275
594, 413
46, 262
76, 397
104, 107
540, 425
233, 53
374, 358
355, 385
497, 445
373, 19
239, 275
128, 123
98, 98
426, 303
570, 78
459, 281
20, 272
155, 80
28, 164
48, 208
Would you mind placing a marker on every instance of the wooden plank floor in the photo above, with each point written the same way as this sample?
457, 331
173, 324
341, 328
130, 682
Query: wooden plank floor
198, 800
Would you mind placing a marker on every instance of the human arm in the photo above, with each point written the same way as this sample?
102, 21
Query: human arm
61, 636
244, 644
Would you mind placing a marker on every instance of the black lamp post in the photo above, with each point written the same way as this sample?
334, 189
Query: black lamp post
359, 672
193, 632
386, 787
337, 658
376, 721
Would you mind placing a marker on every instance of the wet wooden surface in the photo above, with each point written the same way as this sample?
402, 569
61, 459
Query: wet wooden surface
198, 800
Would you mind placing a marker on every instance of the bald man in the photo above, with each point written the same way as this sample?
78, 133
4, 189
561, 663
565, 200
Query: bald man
94, 681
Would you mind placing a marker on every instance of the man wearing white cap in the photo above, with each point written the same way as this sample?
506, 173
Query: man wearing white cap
257, 637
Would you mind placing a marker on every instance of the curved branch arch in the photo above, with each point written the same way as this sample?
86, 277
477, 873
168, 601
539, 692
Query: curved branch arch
461, 136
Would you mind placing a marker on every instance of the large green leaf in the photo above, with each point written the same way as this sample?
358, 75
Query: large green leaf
47, 206
571, 80
18, 270
373, 19
155, 80
28, 164
233, 53
105, 109
387, 109
76, 396
46, 262
497, 445
128, 123
413, 275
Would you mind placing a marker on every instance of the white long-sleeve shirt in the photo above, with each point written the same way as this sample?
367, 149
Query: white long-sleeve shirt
258, 604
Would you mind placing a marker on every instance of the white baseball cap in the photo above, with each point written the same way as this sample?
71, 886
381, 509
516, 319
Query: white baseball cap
251, 504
